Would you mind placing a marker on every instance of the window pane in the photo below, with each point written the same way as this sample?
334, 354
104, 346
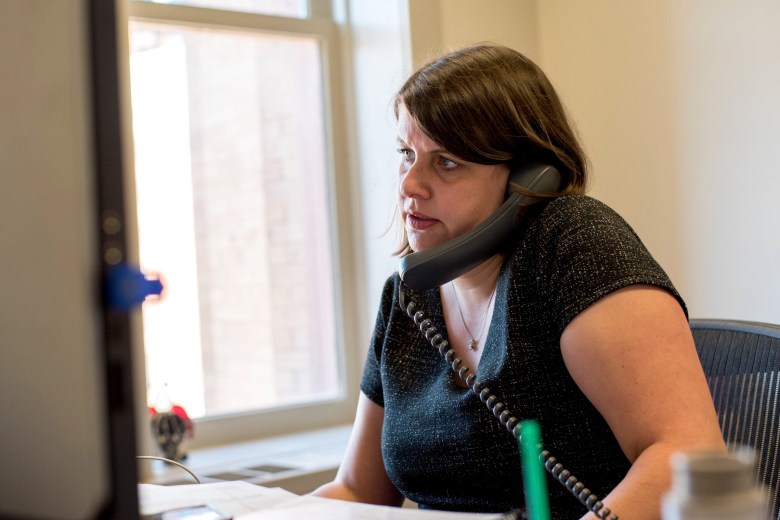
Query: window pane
233, 211
290, 8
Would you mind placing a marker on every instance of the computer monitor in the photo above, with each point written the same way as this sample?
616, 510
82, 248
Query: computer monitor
67, 414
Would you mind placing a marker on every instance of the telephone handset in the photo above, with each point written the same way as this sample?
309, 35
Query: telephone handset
438, 265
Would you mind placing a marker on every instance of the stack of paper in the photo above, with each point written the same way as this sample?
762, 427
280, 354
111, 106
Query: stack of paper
247, 501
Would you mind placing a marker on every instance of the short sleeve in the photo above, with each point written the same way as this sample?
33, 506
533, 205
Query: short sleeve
591, 252
371, 381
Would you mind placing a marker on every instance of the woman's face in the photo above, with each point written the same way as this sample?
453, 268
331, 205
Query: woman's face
439, 195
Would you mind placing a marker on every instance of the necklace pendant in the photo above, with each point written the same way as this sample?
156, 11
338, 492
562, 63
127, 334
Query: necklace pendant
472, 344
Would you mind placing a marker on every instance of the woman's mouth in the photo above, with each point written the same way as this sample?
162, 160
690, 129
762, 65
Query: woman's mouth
418, 221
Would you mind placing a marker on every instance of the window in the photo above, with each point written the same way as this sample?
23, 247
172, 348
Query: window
291, 8
233, 127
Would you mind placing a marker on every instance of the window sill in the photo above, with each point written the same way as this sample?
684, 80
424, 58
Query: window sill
298, 463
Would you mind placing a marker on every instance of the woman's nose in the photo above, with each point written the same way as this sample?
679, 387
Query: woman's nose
414, 182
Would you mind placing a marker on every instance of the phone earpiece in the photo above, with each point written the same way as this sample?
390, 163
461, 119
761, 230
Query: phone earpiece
436, 266
538, 178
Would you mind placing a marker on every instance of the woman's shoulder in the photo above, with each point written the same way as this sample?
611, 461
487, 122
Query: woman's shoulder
579, 249
577, 205
578, 226
575, 212
390, 289
395, 291
392, 280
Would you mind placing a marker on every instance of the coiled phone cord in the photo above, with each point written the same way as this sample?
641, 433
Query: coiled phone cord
501, 412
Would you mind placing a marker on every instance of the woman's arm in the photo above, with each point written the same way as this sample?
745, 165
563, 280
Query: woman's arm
632, 354
362, 476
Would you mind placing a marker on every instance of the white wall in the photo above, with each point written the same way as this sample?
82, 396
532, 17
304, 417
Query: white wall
438, 26
678, 104
729, 126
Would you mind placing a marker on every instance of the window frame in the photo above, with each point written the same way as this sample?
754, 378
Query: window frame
346, 255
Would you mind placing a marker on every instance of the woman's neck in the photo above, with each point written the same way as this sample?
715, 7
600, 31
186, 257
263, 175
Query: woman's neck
478, 283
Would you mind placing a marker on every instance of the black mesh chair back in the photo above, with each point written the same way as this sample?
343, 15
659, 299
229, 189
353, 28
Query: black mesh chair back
742, 363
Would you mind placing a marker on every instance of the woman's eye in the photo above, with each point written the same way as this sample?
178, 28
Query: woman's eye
447, 164
407, 154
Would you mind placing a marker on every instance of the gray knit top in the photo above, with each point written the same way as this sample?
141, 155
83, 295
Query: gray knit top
442, 448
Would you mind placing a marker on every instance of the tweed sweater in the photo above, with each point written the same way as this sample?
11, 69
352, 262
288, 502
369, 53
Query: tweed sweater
442, 448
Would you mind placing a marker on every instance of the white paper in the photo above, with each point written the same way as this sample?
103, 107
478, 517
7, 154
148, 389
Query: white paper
247, 501
327, 509
235, 498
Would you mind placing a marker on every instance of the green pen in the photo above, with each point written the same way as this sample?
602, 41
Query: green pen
534, 483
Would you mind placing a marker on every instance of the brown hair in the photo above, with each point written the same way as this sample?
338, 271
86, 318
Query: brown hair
489, 104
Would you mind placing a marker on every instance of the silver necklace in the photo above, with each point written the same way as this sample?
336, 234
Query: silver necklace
474, 339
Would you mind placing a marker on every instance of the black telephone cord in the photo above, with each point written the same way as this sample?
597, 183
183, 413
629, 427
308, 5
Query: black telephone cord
501, 412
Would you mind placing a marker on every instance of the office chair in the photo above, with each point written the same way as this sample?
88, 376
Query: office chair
741, 360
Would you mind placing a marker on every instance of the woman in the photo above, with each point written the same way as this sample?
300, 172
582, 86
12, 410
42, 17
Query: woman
572, 324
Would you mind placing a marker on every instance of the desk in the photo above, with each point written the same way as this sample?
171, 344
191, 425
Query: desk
247, 501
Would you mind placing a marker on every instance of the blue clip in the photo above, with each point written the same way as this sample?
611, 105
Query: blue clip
127, 287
